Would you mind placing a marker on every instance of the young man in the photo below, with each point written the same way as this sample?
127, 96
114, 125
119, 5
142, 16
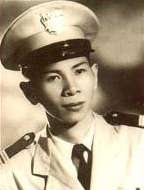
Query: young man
51, 44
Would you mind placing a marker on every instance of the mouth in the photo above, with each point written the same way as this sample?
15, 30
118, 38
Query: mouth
75, 106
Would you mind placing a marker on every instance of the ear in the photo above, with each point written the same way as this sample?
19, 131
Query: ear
94, 69
29, 92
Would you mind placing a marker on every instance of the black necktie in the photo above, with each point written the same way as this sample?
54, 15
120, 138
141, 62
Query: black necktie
84, 169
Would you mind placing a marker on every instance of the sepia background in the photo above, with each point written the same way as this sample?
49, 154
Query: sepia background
119, 50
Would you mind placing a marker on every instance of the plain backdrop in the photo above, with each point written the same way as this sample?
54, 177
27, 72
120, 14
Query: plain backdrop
119, 50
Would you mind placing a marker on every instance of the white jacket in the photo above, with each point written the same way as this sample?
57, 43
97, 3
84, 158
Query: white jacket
117, 163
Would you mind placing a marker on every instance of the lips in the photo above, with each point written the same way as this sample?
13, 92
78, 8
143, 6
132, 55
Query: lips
75, 106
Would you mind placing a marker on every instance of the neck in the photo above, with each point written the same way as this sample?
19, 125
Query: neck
72, 133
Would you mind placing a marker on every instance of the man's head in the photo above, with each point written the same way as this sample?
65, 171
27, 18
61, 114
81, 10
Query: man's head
65, 88
51, 44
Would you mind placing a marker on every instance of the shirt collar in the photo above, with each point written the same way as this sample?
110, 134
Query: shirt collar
87, 141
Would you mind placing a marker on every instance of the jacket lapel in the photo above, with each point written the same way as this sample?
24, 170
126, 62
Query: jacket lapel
110, 157
43, 161
41, 155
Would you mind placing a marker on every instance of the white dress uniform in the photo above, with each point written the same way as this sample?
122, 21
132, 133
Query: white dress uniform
117, 161
117, 152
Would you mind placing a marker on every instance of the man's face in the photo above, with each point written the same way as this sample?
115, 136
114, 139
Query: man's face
66, 89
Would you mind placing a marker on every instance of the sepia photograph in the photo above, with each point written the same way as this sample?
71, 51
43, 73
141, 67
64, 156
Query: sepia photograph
72, 95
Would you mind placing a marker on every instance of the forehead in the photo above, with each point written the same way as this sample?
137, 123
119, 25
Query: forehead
66, 64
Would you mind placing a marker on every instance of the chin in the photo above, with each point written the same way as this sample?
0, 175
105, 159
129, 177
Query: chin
72, 119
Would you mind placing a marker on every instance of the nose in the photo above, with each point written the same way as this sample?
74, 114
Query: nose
70, 87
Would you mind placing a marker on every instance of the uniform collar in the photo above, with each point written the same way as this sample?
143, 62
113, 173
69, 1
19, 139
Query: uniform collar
42, 154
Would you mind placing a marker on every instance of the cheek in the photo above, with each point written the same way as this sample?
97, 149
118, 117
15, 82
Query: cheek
49, 94
88, 84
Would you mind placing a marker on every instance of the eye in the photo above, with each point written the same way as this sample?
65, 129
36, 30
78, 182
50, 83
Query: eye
80, 71
52, 78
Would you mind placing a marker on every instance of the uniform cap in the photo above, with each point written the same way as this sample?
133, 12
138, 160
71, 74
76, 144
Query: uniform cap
62, 27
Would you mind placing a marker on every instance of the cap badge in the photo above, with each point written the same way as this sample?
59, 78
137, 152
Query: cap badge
52, 21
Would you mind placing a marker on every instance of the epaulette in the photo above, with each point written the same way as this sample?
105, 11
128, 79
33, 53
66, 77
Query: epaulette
119, 118
18, 146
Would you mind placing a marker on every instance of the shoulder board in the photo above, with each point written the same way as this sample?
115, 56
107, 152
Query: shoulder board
15, 148
119, 118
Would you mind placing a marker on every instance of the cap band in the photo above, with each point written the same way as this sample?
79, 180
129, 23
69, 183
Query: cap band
57, 52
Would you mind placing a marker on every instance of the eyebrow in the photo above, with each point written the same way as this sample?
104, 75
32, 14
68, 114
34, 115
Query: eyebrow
79, 64
52, 71
73, 67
